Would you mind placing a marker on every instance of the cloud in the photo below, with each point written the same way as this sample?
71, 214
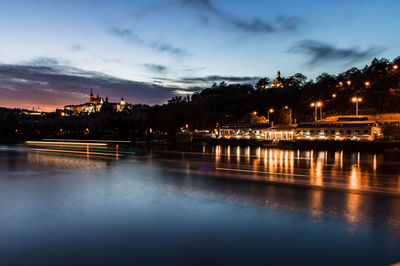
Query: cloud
194, 84
47, 83
254, 25
130, 36
320, 53
160, 69
126, 34
215, 78
44, 61
76, 48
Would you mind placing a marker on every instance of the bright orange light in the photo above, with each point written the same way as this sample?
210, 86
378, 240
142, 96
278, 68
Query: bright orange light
367, 84
286, 107
312, 104
334, 95
359, 99
319, 104
341, 83
271, 110
254, 113
32, 142
395, 67
354, 99
348, 82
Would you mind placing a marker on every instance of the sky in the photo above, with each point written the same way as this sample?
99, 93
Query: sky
53, 52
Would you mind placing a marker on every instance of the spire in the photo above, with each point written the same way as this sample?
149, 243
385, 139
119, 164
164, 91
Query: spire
279, 74
91, 93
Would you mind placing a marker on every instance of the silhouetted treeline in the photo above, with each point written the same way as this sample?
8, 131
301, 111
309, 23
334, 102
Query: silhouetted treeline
378, 84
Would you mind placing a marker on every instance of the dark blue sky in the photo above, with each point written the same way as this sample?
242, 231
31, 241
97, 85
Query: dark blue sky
148, 51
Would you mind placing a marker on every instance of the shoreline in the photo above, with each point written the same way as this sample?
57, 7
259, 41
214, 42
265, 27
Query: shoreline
364, 146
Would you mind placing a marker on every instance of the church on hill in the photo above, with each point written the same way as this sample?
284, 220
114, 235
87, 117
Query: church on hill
97, 104
277, 83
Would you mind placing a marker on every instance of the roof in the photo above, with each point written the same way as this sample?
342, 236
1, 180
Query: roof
281, 127
336, 124
255, 125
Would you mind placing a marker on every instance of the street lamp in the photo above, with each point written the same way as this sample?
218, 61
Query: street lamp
367, 84
319, 104
316, 105
356, 100
271, 110
334, 95
255, 113
348, 82
395, 67
290, 113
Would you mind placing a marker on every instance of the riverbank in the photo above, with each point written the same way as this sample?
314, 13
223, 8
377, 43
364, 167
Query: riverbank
367, 146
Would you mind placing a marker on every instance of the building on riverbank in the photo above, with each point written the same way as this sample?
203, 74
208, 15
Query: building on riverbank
345, 128
256, 131
244, 131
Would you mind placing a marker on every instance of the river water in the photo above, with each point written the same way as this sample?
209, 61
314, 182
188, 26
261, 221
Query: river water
198, 205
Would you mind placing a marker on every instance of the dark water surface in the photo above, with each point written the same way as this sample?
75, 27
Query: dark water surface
198, 207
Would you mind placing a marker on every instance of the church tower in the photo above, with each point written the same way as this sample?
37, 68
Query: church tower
277, 83
91, 96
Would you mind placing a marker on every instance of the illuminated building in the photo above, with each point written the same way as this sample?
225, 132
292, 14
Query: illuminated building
350, 128
277, 83
245, 131
96, 104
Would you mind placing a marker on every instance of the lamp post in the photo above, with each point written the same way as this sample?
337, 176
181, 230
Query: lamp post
319, 104
315, 112
270, 110
356, 100
290, 113
316, 105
